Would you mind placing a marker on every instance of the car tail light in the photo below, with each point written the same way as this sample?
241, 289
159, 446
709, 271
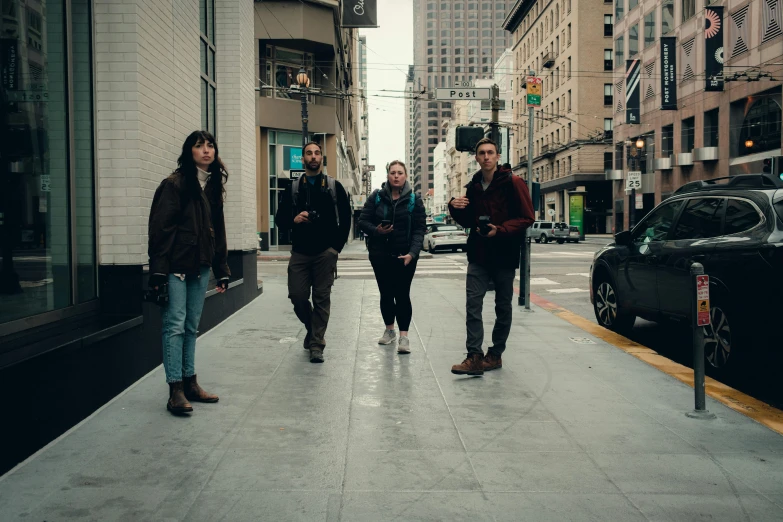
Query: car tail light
438, 235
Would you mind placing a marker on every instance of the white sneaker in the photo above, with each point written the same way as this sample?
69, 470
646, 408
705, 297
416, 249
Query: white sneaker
388, 337
404, 345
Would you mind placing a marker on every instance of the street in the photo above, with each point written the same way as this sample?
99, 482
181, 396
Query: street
560, 274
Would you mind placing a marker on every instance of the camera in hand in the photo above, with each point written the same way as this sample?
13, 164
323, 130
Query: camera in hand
386, 223
484, 225
159, 297
313, 216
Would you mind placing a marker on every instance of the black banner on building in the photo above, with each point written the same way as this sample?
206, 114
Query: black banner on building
713, 33
633, 76
668, 73
360, 13
9, 64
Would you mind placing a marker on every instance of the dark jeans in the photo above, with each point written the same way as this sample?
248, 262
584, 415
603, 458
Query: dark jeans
314, 274
476, 285
394, 281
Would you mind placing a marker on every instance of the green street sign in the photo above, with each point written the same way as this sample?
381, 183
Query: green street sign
534, 100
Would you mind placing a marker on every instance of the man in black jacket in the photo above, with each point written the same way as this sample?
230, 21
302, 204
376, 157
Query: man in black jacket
318, 212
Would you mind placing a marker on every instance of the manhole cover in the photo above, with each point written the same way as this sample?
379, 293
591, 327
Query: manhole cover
288, 340
582, 340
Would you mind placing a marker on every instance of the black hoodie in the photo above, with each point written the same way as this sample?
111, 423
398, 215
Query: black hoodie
409, 228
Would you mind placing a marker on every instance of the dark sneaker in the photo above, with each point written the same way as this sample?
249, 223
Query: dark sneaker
472, 365
316, 355
492, 361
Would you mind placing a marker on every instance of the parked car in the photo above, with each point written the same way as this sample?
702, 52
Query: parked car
566, 234
444, 236
733, 227
544, 231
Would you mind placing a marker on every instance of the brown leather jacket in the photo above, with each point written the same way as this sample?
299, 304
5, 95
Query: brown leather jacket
186, 231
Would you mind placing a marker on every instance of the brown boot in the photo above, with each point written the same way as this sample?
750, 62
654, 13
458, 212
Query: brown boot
492, 361
178, 404
472, 365
196, 393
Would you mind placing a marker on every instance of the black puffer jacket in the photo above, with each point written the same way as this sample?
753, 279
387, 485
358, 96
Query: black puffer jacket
409, 227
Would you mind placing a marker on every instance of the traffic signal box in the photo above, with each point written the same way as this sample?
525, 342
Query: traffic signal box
467, 137
773, 166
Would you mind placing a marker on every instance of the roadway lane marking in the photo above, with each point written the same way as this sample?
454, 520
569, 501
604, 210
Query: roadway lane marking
742, 403
539, 281
566, 290
583, 274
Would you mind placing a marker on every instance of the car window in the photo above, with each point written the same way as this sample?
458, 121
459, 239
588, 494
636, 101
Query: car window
657, 224
547, 226
740, 216
561, 226
574, 229
701, 219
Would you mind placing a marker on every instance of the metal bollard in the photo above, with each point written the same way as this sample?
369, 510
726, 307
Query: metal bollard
700, 297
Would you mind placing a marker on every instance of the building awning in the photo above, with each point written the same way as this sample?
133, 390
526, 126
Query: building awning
572, 181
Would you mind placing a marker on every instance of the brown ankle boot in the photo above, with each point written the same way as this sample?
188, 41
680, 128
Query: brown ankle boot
196, 393
178, 404
472, 365
492, 361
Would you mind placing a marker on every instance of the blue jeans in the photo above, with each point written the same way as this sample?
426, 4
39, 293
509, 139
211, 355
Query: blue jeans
180, 324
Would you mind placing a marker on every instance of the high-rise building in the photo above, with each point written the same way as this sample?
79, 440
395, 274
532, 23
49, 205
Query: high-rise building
455, 41
561, 41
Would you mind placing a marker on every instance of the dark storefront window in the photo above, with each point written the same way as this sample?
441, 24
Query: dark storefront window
667, 141
47, 221
711, 128
688, 131
760, 131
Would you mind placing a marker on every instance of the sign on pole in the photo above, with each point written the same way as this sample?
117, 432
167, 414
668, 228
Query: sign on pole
639, 203
460, 93
702, 300
533, 91
634, 180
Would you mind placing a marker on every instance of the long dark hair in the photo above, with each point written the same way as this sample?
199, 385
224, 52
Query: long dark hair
218, 176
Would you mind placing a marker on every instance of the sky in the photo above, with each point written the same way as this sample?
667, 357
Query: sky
389, 52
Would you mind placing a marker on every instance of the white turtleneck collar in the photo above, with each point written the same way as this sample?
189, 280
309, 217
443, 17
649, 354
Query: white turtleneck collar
202, 177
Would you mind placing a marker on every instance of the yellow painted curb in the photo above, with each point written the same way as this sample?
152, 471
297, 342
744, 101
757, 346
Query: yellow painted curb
757, 410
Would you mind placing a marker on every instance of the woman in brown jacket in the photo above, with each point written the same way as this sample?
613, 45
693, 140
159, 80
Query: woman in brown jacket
187, 236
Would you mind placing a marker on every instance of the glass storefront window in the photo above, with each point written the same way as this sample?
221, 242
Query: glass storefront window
47, 221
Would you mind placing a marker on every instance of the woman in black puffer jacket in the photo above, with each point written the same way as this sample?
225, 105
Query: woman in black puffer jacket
395, 221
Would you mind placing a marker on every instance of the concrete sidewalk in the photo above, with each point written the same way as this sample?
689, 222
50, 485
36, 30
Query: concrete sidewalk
565, 431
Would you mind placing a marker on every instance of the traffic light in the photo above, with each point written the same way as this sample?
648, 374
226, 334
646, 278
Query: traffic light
773, 166
536, 195
467, 137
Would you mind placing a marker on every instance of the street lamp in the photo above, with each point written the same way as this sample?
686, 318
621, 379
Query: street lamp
304, 84
749, 144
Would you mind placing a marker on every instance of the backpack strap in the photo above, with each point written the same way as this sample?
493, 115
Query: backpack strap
295, 190
331, 187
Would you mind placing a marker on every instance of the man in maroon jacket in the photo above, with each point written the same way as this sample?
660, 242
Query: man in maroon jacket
497, 209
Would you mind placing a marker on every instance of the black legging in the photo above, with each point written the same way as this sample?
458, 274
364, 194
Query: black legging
394, 281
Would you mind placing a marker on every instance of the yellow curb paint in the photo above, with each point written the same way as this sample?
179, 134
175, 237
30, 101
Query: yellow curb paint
757, 410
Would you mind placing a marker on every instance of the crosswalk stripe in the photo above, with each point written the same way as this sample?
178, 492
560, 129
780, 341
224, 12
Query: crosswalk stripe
583, 274
566, 290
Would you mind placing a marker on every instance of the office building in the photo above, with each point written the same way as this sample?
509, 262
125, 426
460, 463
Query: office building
455, 42
565, 42
98, 97
708, 101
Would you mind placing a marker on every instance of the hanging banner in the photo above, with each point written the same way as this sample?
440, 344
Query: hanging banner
576, 212
360, 13
632, 79
713, 33
668, 73
9, 64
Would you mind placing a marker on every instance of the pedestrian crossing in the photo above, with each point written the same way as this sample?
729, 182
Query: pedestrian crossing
439, 266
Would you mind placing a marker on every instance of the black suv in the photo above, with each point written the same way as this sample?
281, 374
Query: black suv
733, 227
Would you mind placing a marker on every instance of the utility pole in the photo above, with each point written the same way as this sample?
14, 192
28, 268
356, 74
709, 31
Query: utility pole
524, 268
495, 125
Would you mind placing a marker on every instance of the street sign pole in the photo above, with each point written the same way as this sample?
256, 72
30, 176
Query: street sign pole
494, 127
533, 87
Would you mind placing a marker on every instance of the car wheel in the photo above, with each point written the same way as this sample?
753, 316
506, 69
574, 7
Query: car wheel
607, 308
718, 338
560, 241
544, 239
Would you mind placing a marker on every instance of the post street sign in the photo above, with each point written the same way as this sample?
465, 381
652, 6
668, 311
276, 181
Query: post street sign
634, 180
533, 86
456, 93
702, 300
639, 201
